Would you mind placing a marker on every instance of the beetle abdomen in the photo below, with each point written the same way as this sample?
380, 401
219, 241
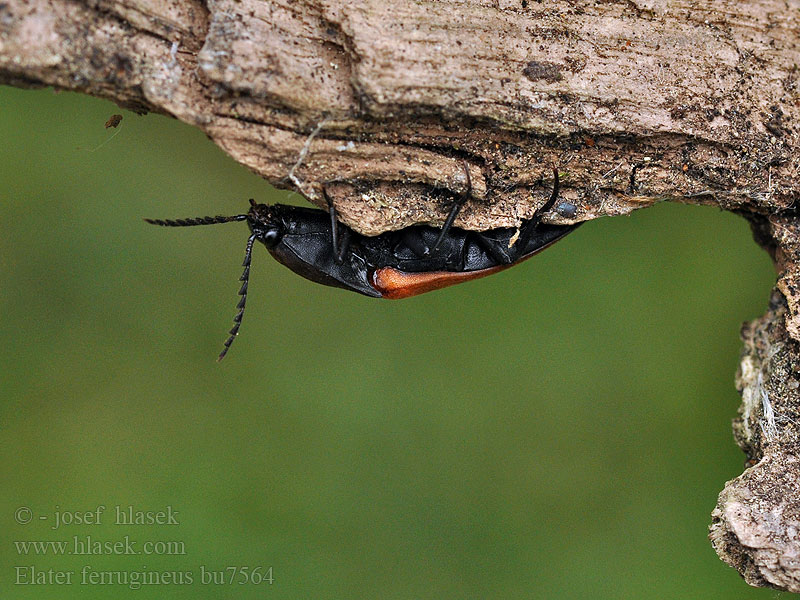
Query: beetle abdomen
394, 284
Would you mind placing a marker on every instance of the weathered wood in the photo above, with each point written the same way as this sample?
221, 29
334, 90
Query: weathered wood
382, 103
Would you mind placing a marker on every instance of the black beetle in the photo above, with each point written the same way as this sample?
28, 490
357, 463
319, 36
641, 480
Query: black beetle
395, 264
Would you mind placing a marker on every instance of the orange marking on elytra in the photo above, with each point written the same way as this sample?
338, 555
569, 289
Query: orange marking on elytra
394, 284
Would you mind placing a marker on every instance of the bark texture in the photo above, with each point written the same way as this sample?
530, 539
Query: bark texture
385, 104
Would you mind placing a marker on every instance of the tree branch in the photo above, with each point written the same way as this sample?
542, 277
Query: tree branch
635, 101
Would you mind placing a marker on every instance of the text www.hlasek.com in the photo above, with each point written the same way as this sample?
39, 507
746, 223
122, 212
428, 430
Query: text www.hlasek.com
87, 545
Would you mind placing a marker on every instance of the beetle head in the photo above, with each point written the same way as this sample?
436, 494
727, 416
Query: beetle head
265, 224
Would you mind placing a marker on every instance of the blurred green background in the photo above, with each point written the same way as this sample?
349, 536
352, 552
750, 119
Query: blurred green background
561, 429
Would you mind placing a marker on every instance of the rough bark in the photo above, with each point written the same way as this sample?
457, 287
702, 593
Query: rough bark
384, 103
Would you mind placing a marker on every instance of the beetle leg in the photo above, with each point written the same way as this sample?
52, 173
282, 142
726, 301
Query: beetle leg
526, 231
411, 239
337, 256
498, 251
454, 210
